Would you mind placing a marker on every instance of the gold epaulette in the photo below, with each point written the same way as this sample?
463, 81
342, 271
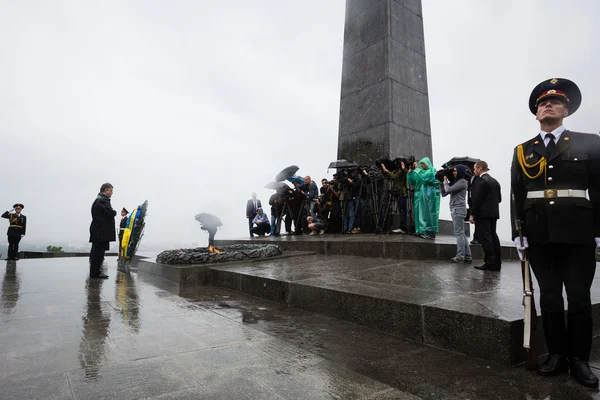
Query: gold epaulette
524, 166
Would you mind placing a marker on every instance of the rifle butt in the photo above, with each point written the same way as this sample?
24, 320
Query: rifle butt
531, 360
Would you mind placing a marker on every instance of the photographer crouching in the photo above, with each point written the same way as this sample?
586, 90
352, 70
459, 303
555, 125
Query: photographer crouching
456, 187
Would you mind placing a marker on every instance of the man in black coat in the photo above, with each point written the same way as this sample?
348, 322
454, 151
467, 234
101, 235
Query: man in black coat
17, 224
471, 180
102, 229
251, 206
485, 211
555, 185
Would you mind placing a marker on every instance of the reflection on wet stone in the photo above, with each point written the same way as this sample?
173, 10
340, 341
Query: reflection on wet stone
127, 301
136, 338
96, 324
10, 289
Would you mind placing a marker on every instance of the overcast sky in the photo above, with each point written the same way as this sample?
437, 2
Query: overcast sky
194, 104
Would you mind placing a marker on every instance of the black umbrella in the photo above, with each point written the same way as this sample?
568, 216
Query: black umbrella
207, 219
276, 185
286, 173
342, 164
461, 160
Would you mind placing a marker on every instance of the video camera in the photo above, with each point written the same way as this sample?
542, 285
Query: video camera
396, 163
445, 172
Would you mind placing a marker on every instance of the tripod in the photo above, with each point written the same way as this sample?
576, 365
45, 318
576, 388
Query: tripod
288, 211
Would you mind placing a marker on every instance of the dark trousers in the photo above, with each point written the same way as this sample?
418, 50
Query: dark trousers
120, 241
13, 246
261, 228
211, 236
573, 266
97, 256
250, 224
487, 236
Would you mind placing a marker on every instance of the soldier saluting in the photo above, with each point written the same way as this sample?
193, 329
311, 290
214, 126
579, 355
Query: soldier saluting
555, 185
16, 229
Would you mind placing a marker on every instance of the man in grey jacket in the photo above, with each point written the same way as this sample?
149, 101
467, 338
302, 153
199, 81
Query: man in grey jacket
457, 189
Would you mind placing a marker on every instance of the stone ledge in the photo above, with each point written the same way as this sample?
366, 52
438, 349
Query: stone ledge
47, 254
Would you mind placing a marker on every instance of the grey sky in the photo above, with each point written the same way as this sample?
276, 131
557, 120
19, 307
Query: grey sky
192, 105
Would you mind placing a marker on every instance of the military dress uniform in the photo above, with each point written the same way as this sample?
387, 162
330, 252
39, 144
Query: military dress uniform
122, 226
555, 185
16, 230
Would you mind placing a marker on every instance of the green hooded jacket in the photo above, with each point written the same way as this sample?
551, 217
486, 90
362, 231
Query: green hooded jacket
427, 197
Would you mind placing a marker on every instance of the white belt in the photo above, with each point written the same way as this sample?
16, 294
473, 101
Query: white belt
554, 193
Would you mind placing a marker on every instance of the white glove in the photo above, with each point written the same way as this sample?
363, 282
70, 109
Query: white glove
521, 246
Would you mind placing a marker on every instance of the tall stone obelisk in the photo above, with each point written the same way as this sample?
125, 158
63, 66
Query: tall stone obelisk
384, 108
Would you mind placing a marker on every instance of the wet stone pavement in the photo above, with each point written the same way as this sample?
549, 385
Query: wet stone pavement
130, 337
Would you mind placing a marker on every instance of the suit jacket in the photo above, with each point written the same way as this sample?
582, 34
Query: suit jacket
102, 228
469, 188
17, 225
485, 197
250, 210
574, 164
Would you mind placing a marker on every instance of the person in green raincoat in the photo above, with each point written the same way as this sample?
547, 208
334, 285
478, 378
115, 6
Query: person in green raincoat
426, 198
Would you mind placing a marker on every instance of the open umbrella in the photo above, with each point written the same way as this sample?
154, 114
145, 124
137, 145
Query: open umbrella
276, 185
342, 164
296, 178
286, 173
468, 161
207, 219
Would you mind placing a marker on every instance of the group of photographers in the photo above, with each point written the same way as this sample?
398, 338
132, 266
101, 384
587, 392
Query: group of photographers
391, 196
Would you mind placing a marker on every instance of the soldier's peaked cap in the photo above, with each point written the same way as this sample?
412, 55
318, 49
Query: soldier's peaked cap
560, 88
18, 205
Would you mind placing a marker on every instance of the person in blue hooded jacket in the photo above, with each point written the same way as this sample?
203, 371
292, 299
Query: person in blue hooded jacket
262, 223
457, 189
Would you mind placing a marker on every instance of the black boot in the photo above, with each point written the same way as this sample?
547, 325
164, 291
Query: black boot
580, 370
580, 330
555, 364
555, 333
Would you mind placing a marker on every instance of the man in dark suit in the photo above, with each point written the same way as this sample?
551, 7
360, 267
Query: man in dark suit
470, 202
251, 206
102, 230
485, 211
555, 185
17, 224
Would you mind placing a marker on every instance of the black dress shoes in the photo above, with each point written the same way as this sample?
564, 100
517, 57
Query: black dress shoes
488, 267
580, 370
99, 276
555, 364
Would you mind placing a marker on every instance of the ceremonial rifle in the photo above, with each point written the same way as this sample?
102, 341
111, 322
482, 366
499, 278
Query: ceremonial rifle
530, 320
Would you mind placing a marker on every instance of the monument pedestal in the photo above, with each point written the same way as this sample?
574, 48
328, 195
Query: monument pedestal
438, 303
399, 284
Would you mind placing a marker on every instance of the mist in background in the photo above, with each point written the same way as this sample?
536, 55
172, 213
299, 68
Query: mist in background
193, 105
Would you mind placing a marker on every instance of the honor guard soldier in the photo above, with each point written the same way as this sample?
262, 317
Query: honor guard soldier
555, 186
122, 227
16, 230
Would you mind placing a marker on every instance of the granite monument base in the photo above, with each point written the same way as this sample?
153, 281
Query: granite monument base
403, 247
438, 303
